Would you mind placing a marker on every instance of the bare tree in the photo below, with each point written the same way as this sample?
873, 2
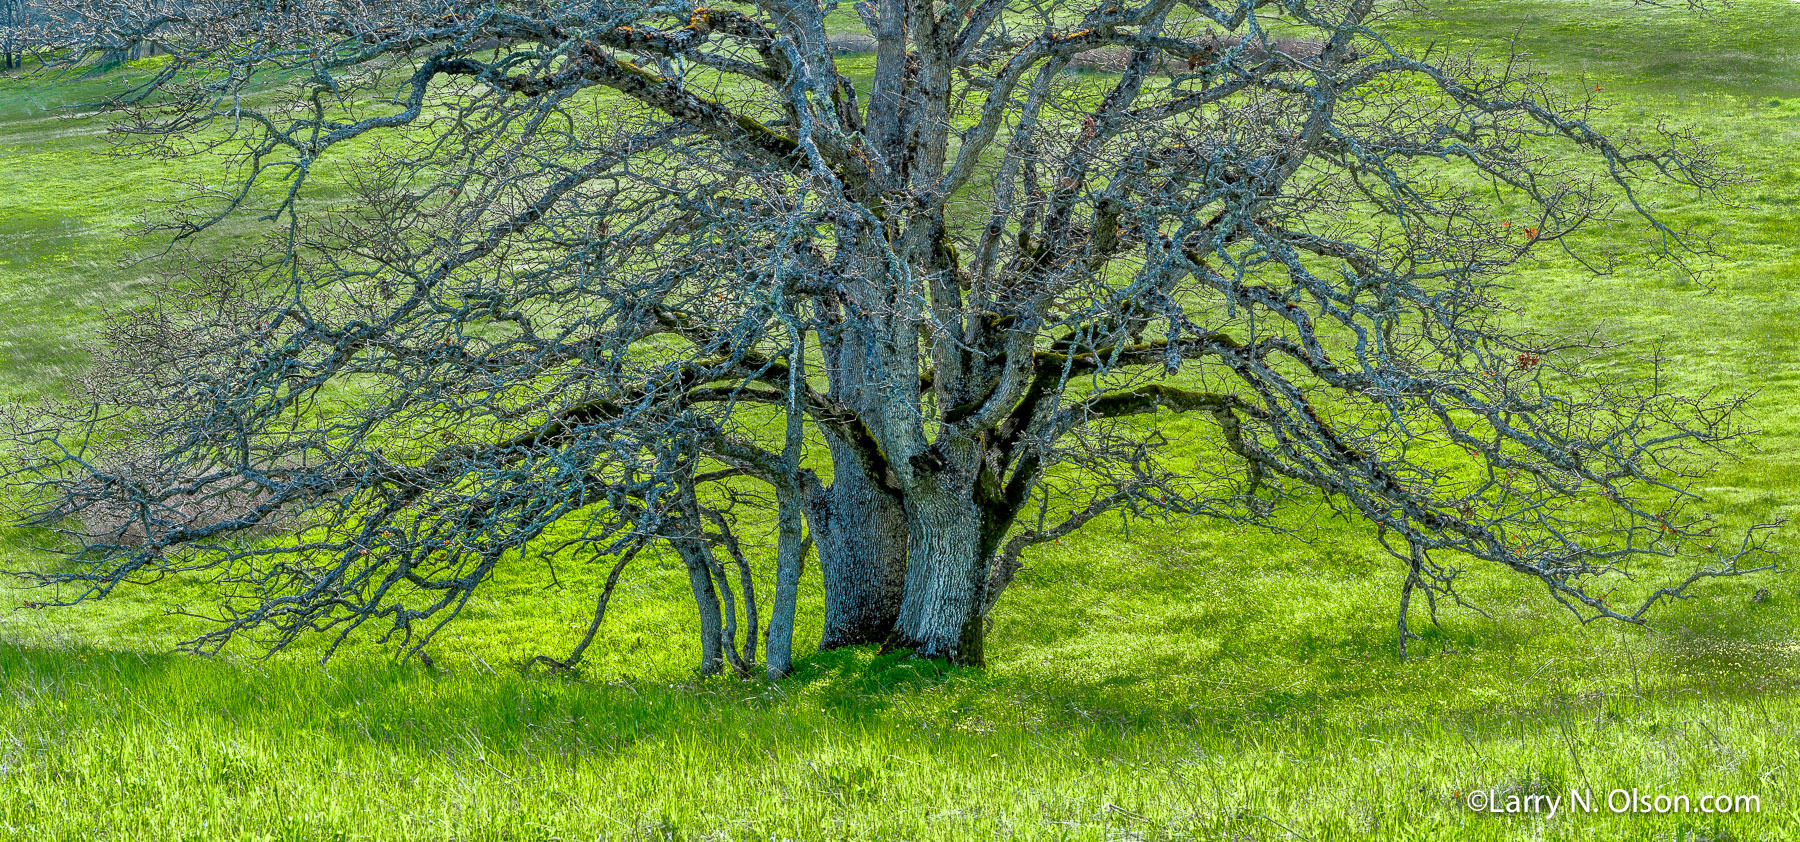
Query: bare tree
608, 269
14, 18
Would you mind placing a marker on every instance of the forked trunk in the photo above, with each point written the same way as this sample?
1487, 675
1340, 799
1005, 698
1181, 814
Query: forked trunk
946, 578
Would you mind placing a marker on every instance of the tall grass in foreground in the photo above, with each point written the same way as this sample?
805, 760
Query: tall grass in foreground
128, 746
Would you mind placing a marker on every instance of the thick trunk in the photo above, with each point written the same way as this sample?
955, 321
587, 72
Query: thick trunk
946, 577
790, 555
860, 532
700, 579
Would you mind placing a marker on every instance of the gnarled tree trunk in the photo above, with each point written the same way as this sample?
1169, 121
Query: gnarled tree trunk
946, 578
861, 534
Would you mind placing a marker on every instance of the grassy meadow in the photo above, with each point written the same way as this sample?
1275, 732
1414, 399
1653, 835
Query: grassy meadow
1147, 681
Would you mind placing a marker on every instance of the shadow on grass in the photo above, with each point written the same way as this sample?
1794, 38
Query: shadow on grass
851, 693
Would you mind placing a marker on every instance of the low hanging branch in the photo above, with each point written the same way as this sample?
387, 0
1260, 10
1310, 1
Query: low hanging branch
573, 660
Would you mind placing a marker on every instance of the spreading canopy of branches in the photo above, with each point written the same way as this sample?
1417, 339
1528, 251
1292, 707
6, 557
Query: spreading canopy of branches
590, 268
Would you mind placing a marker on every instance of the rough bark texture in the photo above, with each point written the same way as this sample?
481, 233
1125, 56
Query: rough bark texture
945, 581
861, 533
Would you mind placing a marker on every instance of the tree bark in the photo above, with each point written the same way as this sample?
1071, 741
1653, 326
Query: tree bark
790, 557
712, 632
860, 531
946, 578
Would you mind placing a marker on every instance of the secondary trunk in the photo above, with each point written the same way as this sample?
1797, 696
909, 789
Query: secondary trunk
789, 558
860, 532
945, 579
712, 632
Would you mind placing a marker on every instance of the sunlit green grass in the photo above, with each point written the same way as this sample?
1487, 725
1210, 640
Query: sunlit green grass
142, 746
1147, 681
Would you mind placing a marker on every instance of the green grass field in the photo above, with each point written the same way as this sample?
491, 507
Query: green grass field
1187, 681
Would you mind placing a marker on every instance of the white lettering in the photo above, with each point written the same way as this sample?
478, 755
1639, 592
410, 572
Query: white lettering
1583, 798
1612, 801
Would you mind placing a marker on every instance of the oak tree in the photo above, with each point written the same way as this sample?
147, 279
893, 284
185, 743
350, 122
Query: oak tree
914, 285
